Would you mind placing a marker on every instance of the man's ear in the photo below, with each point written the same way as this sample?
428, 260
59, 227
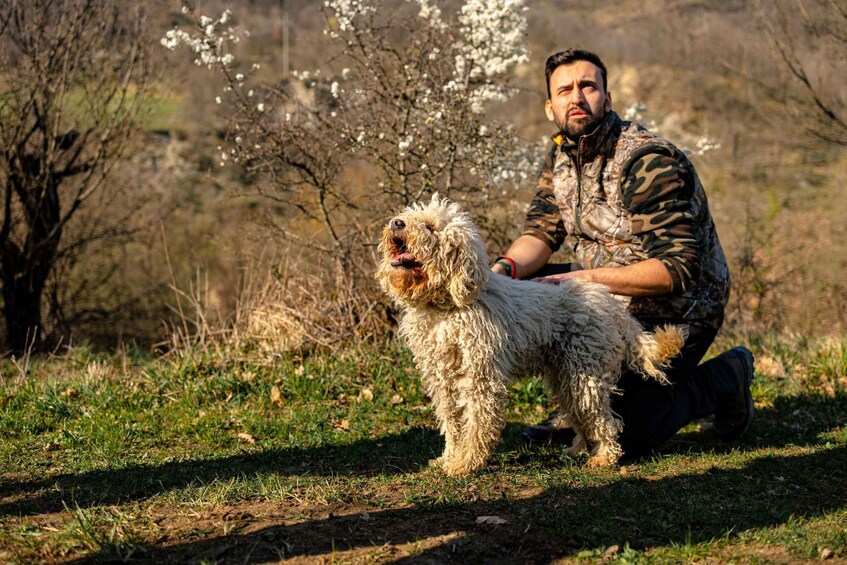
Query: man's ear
548, 109
608, 104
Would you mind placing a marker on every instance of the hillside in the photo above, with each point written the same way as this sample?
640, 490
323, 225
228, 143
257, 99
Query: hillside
700, 71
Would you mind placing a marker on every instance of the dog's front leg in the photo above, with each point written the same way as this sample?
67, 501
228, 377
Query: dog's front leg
482, 402
448, 416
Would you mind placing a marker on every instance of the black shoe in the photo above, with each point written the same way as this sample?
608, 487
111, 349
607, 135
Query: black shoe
735, 412
555, 429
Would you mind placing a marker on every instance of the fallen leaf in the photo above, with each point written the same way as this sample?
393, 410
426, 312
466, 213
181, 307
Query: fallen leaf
366, 394
492, 520
396, 399
247, 437
276, 396
69, 393
343, 425
826, 553
624, 472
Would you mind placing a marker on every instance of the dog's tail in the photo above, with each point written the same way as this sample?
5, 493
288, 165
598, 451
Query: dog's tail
653, 352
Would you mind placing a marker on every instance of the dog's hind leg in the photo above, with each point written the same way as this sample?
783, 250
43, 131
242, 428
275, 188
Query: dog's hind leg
593, 411
607, 450
579, 444
603, 430
560, 384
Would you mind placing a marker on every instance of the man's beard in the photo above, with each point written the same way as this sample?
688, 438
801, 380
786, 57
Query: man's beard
574, 129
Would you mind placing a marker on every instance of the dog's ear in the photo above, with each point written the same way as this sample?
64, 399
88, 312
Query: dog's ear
467, 261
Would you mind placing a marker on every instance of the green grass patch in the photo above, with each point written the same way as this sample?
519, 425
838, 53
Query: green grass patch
227, 458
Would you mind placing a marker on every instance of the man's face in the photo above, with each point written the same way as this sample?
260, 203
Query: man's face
578, 100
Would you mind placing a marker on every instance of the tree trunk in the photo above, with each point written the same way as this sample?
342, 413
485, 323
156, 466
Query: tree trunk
22, 310
24, 269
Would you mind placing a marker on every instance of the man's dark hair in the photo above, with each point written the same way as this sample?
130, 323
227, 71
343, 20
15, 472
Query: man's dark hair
556, 60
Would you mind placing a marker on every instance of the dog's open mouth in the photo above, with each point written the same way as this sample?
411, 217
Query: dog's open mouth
400, 256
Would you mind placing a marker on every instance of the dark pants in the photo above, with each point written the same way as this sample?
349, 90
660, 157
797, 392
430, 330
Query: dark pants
653, 412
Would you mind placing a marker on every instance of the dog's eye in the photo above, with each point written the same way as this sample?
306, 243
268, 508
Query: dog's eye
429, 228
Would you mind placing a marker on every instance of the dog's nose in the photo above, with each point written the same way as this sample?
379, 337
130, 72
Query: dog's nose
397, 224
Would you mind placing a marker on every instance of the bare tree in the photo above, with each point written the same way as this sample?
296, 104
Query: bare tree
75, 76
396, 113
810, 39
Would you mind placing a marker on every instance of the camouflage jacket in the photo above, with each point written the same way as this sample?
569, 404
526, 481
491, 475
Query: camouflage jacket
627, 195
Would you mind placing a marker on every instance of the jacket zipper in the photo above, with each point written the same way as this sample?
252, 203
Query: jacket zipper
578, 206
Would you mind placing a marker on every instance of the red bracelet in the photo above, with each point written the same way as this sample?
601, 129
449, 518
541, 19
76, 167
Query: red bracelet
513, 268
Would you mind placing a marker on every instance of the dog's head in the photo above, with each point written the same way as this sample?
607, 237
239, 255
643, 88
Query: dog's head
432, 255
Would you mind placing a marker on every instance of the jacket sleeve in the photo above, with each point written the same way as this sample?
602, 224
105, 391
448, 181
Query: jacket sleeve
658, 192
543, 219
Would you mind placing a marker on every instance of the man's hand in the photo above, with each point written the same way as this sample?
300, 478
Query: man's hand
558, 278
646, 278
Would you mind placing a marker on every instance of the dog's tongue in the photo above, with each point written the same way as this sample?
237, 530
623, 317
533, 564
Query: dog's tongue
402, 258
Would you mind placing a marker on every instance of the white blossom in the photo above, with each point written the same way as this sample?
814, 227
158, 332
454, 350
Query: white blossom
345, 11
209, 46
404, 144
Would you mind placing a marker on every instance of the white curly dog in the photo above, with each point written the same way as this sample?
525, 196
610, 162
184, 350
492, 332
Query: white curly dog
472, 333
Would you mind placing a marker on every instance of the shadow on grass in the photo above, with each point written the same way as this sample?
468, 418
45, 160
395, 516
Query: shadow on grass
401, 453
790, 420
643, 511
714, 504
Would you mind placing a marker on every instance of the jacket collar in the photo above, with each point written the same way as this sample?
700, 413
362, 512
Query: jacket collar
600, 141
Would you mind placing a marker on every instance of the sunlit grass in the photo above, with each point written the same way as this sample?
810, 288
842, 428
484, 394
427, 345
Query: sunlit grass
105, 455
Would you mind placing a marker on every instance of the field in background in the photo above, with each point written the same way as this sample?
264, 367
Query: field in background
707, 70
221, 458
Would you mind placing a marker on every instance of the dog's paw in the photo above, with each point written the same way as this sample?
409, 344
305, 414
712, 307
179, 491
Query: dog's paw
597, 461
457, 468
437, 462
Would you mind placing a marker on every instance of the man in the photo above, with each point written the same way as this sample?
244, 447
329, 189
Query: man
634, 206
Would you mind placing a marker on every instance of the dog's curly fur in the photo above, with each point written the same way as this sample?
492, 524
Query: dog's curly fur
472, 333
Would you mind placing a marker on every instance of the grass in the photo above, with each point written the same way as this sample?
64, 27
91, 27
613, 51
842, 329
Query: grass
220, 458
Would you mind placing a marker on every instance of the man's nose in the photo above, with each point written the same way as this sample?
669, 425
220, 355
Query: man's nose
576, 95
397, 224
